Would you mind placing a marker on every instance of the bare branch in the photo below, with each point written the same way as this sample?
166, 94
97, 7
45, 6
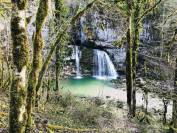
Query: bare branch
147, 11
169, 16
79, 14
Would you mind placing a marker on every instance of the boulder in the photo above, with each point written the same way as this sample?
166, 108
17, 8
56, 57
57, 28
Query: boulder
140, 82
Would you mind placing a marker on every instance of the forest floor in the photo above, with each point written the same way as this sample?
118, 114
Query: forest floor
72, 114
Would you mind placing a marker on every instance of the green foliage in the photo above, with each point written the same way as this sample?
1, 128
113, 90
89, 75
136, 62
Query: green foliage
87, 113
67, 100
72, 111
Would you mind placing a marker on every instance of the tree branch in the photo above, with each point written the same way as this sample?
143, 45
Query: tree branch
169, 16
147, 11
79, 14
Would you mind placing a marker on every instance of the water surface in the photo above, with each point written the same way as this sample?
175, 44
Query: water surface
93, 87
88, 87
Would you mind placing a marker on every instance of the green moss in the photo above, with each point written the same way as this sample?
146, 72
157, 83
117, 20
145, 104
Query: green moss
20, 58
17, 101
20, 43
41, 14
21, 4
37, 59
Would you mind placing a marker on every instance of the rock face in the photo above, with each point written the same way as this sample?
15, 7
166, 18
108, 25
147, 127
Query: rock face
95, 26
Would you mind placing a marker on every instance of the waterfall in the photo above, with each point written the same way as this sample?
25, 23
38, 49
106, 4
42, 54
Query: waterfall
77, 59
77, 51
103, 66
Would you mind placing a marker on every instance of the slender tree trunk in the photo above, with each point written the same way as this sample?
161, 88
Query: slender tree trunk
57, 68
135, 57
134, 63
136, 37
37, 59
129, 69
1, 70
58, 7
48, 86
133, 7
20, 59
46, 64
165, 104
174, 115
129, 76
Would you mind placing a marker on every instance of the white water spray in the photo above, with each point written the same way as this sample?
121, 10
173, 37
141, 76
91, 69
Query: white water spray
104, 68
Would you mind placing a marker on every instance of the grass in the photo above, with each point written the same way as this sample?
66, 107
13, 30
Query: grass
74, 114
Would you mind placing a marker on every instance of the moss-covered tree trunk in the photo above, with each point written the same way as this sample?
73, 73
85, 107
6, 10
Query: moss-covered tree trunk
129, 74
58, 17
46, 63
136, 38
133, 12
135, 57
20, 59
37, 58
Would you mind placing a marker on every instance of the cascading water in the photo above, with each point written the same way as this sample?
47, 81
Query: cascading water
77, 51
77, 57
104, 68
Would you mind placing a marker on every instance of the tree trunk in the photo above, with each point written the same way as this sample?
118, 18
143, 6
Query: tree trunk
129, 70
1, 70
20, 59
48, 87
59, 8
136, 37
174, 115
129, 76
57, 69
133, 7
165, 104
46, 64
37, 59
